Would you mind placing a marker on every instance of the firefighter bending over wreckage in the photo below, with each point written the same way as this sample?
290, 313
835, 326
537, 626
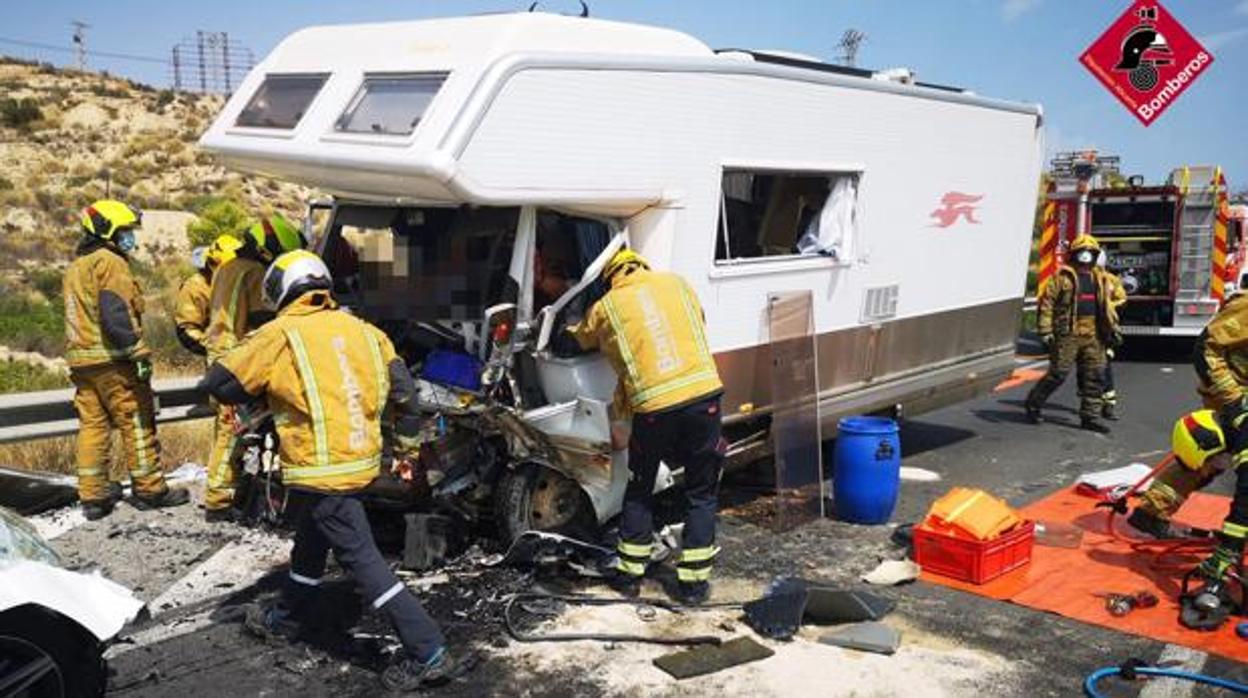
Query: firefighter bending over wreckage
1078, 319
234, 310
651, 328
110, 365
1203, 448
327, 376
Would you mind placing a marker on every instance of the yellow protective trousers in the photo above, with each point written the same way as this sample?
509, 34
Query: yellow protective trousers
219, 493
111, 396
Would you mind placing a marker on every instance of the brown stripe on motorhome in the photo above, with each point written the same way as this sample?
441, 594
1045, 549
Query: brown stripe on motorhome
919, 362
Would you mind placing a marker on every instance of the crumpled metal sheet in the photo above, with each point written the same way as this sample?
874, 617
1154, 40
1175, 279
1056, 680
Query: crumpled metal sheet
778, 615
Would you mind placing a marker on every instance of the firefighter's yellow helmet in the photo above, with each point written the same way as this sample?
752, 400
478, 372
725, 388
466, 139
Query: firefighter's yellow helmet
222, 251
105, 217
1085, 242
274, 235
622, 259
1197, 437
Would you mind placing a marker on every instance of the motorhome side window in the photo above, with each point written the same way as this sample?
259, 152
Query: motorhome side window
767, 215
281, 101
390, 104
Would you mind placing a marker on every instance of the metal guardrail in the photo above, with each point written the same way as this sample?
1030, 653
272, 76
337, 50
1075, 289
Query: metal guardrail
46, 413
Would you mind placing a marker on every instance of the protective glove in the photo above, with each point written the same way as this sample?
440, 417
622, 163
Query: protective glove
1109, 353
1048, 340
1215, 566
408, 434
143, 367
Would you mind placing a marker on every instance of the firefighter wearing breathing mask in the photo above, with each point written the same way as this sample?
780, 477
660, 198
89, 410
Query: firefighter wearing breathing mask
328, 376
235, 308
1078, 320
110, 363
1203, 448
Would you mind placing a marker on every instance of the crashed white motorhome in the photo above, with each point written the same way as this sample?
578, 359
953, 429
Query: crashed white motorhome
469, 157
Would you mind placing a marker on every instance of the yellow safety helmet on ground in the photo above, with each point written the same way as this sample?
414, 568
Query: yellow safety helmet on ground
222, 250
622, 259
106, 217
274, 235
1197, 437
293, 274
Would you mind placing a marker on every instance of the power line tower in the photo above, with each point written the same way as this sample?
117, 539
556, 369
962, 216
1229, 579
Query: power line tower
80, 41
210, 62
848, 47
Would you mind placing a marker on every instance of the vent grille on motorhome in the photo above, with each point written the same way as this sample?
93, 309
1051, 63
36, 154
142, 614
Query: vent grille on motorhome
880, 303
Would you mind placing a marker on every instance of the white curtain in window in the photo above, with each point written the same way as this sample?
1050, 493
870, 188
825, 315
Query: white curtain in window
831, 233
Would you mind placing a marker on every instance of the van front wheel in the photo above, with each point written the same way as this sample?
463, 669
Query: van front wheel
534, 497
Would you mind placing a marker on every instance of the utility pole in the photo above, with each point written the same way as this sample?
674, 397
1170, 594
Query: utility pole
80, 40
177, 68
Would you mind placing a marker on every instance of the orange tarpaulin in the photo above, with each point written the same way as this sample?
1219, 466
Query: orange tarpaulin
1065, 581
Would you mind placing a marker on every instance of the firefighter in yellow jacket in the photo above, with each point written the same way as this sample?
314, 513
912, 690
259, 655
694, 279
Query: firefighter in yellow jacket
110, 363
1203, 448
651, 328
234, 309
327, 376
1078, 319
194, 295
1221, 362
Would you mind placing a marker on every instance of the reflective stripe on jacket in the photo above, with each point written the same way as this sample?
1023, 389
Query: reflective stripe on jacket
1222, 354
103, 310
190, 313
651, 327
1057, 308
324, 372
235, 296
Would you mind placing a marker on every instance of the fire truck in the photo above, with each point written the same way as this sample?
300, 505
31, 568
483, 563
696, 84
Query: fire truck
1178, 247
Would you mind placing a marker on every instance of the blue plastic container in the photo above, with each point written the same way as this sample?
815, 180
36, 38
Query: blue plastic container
454, 368
867, 474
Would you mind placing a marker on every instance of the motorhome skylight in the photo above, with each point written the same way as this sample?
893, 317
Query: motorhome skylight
390, 104
281, 101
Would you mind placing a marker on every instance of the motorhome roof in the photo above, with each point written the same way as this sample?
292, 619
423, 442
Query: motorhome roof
457, 41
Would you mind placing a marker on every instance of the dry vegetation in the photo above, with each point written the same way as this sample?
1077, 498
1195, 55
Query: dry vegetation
67, 138
179, 443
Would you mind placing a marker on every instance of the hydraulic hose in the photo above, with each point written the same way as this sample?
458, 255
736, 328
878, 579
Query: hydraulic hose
1161, 550
1131, 672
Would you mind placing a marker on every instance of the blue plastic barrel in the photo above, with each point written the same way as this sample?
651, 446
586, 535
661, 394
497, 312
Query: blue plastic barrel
867, 472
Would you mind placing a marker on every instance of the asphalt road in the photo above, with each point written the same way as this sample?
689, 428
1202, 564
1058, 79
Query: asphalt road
983, 443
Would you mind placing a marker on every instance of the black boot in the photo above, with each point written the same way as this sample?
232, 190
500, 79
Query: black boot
1033, 413
1150, 524
169, 498
692, 593
1093, 424
96, 510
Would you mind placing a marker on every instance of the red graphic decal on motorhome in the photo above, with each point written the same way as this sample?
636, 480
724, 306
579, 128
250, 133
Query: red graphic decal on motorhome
955, 205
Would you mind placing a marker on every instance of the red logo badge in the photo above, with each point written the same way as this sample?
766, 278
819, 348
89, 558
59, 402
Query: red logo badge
1146, 59
955, 205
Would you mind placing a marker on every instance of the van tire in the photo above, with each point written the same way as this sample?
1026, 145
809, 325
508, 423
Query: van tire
37, 634
514, 497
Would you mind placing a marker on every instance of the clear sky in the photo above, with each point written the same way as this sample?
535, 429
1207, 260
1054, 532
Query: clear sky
1017, 49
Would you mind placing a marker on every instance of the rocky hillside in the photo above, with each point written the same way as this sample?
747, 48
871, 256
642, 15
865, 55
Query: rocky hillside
66, 137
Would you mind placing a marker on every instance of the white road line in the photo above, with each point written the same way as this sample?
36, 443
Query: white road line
1183, 659
236, 565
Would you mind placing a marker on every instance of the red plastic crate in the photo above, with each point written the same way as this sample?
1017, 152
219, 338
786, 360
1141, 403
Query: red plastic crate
971, 560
